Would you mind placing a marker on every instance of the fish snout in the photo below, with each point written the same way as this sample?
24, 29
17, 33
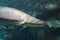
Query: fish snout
40, 22
36, 22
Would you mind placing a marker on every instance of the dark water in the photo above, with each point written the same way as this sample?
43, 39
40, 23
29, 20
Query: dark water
35, 8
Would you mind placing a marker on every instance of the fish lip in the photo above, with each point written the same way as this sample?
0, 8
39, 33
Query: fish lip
38, 23
34, 25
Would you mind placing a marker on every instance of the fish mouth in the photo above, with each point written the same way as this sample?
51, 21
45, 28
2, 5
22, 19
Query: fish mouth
34, 24
34, 21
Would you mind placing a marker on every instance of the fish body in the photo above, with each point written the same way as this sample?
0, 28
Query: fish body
18, 16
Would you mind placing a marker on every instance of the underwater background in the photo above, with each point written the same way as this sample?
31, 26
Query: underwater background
35, 8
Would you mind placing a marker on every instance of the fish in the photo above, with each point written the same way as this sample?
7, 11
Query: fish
18, 17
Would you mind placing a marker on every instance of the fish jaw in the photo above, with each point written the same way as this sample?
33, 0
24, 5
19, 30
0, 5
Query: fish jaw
29, 19
35, 21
